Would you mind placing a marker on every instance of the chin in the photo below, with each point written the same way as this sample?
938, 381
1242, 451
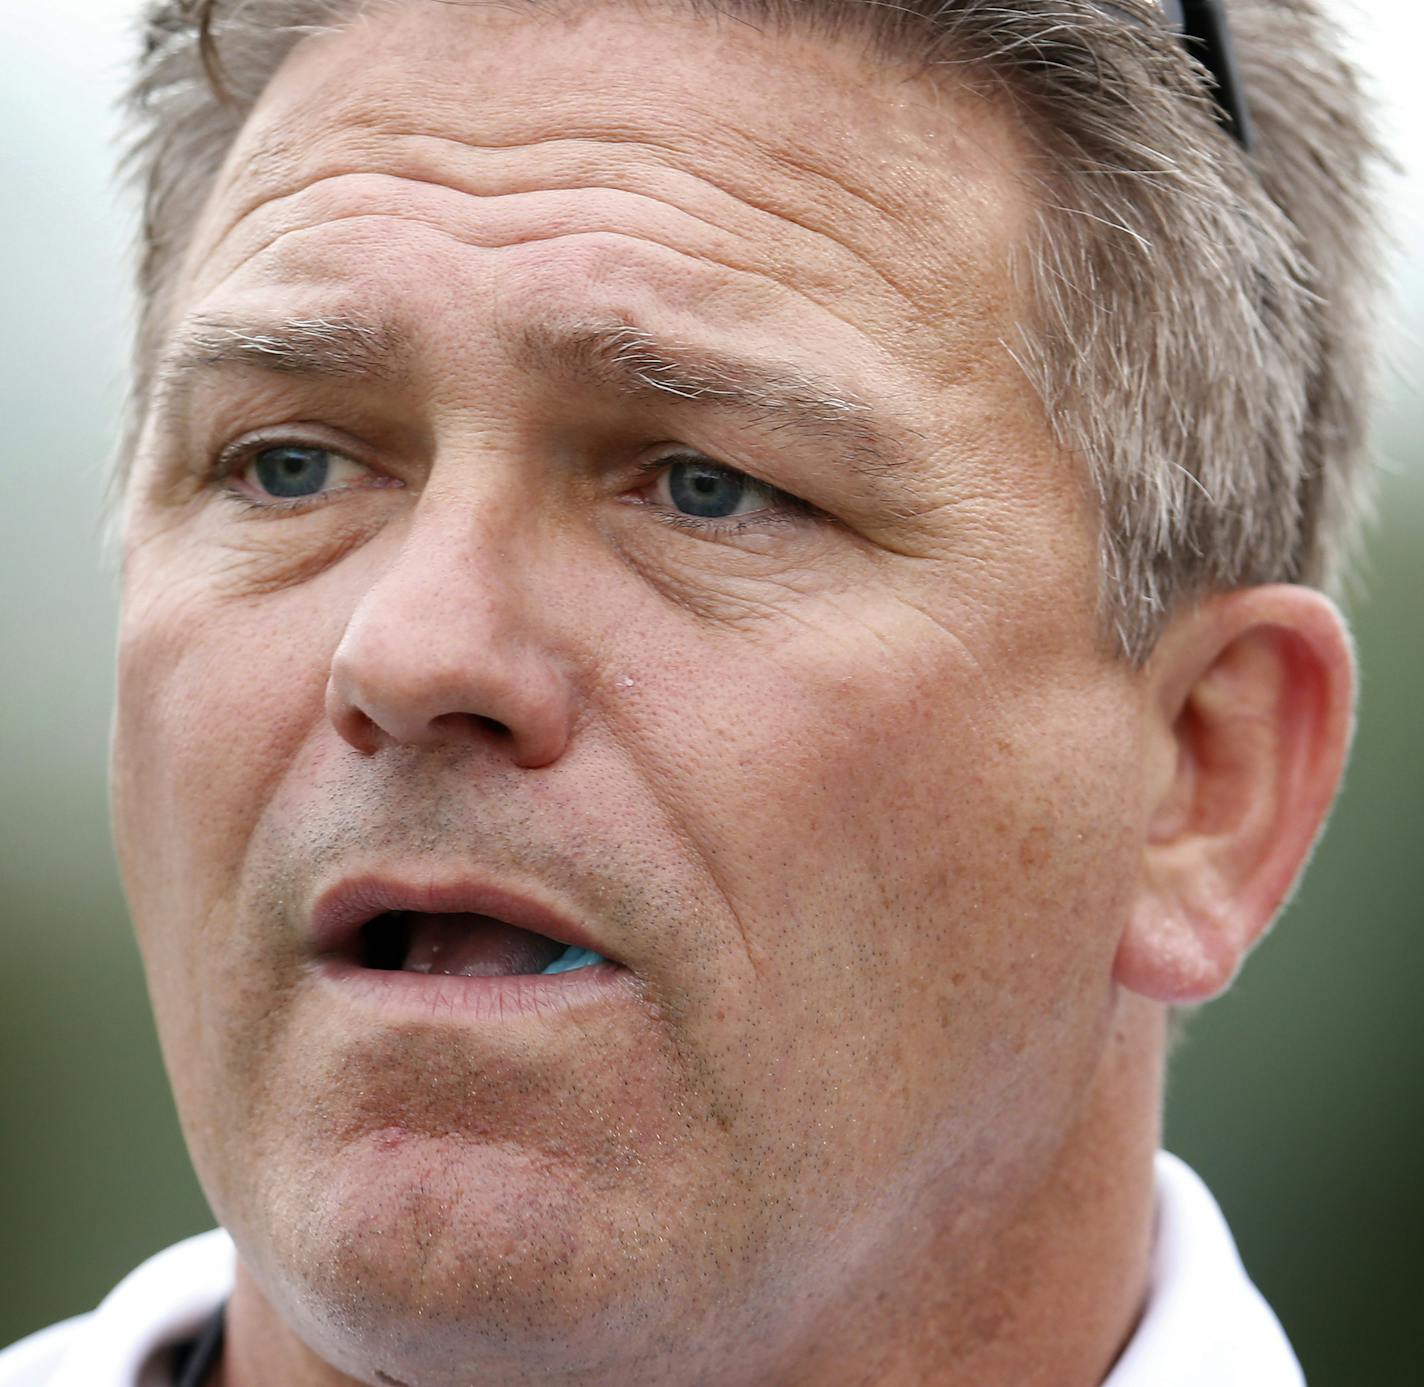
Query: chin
428, 1261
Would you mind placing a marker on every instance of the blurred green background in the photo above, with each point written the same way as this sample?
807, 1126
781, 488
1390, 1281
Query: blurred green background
1299, 1096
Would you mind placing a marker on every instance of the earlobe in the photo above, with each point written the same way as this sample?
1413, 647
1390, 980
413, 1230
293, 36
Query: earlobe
1250, 701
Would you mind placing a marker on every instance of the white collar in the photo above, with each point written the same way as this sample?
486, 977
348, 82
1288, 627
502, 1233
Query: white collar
1205, 1324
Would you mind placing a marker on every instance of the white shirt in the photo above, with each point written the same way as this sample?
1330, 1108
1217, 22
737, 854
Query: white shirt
1204, 1325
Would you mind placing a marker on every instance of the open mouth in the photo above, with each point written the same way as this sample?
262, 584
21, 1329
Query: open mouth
462, 944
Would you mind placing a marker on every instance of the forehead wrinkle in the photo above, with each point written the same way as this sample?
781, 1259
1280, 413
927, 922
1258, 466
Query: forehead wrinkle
828, 180
468, 183
704, 178
663, 158
735, 267
269, 199
332, 177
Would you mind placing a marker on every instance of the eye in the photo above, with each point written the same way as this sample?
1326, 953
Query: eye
291, 471
296, 472
699, 489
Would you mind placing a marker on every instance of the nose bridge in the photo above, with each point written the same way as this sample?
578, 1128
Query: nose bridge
450, 644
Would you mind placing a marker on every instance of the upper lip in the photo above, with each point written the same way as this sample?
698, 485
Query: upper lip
343, 908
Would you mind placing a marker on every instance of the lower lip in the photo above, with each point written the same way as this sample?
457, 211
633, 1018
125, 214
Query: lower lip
450, 997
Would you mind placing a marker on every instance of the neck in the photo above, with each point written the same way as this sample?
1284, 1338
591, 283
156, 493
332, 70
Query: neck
1055, 1287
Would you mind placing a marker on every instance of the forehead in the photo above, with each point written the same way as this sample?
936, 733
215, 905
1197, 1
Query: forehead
756, 171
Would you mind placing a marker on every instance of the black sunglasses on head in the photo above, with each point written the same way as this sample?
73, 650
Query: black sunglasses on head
1202, 25
1203, 29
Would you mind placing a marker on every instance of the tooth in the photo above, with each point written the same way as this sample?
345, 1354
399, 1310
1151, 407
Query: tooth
573, 958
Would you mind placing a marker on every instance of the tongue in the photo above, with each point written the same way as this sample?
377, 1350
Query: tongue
475, 946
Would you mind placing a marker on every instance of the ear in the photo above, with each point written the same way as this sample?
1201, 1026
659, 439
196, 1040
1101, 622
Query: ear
1250, 699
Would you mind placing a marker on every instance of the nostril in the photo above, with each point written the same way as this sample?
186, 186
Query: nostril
405, 707
358, 729
471, 722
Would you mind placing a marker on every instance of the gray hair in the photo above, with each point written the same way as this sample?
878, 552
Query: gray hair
1200, 334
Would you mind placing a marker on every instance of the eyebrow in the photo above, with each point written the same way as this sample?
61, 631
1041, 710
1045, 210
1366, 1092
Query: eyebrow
330, 348
626, 360
616, 357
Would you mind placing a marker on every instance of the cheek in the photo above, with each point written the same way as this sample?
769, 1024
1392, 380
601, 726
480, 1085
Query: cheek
927, 876
214, 702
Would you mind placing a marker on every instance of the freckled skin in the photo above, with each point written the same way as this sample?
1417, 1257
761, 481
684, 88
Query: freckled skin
854, 797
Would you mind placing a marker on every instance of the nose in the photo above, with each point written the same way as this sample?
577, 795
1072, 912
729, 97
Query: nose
446, 648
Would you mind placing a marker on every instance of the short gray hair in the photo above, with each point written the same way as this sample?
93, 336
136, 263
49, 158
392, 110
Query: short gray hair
1200, 336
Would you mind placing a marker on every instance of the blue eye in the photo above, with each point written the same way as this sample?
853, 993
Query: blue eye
296, 472
703, 490
707, 491
291, 471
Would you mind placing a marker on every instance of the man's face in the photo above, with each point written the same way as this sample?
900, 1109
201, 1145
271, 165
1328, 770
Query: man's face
478, 602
